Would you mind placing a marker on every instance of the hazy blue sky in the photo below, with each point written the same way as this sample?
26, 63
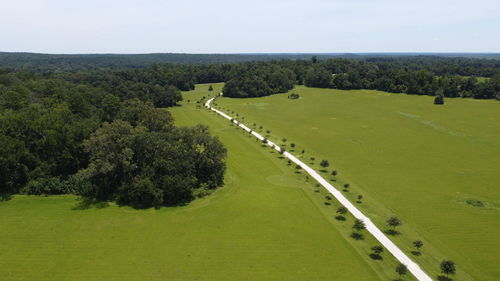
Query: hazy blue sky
229, 26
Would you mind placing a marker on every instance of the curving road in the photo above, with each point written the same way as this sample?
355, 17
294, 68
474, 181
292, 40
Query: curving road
370, 226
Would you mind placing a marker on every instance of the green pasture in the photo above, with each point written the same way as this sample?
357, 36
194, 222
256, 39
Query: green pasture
427, 164
266, 223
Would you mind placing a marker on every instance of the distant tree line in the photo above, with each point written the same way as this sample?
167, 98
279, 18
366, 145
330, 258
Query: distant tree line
60, 136
424, 76
448, 77
57, 63
419, 75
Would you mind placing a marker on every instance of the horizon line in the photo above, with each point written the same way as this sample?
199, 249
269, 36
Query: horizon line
257, 53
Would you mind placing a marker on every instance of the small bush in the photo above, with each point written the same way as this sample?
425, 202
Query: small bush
439, 100
475, 203
45, 186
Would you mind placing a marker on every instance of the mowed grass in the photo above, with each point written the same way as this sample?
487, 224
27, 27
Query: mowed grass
407, 157
266, 223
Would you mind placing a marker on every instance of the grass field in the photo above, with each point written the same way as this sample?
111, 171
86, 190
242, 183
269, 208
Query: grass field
266, 223
407, 157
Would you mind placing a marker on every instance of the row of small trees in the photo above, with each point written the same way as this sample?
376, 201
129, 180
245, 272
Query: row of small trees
447, 266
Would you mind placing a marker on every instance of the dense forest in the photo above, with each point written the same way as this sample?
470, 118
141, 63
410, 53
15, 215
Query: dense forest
72, 62
446, 77
104, 133
62, 137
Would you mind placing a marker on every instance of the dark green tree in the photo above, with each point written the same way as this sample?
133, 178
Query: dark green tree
401, 269
359, 225
447, 267
394, 222
324, 163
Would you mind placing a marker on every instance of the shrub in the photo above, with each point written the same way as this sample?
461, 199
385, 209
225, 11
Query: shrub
439, 100
47, 186
475, 203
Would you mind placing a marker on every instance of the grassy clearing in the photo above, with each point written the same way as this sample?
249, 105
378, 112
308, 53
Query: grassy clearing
428, 164
266, 223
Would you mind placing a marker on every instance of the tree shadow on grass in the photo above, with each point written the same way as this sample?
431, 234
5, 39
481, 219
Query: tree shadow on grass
5, 197
88, 203
444, 278
281, 157
375, 256
357, 236
340, 218
416, 253
392, 232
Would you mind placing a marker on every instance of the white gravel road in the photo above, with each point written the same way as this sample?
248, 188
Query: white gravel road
370, 226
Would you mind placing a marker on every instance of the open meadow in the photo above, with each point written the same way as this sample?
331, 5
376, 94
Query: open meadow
266, 223
436, 167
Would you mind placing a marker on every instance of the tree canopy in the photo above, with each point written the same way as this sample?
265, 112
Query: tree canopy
102, 138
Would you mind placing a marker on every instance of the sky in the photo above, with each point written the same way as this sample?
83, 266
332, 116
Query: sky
258, 26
